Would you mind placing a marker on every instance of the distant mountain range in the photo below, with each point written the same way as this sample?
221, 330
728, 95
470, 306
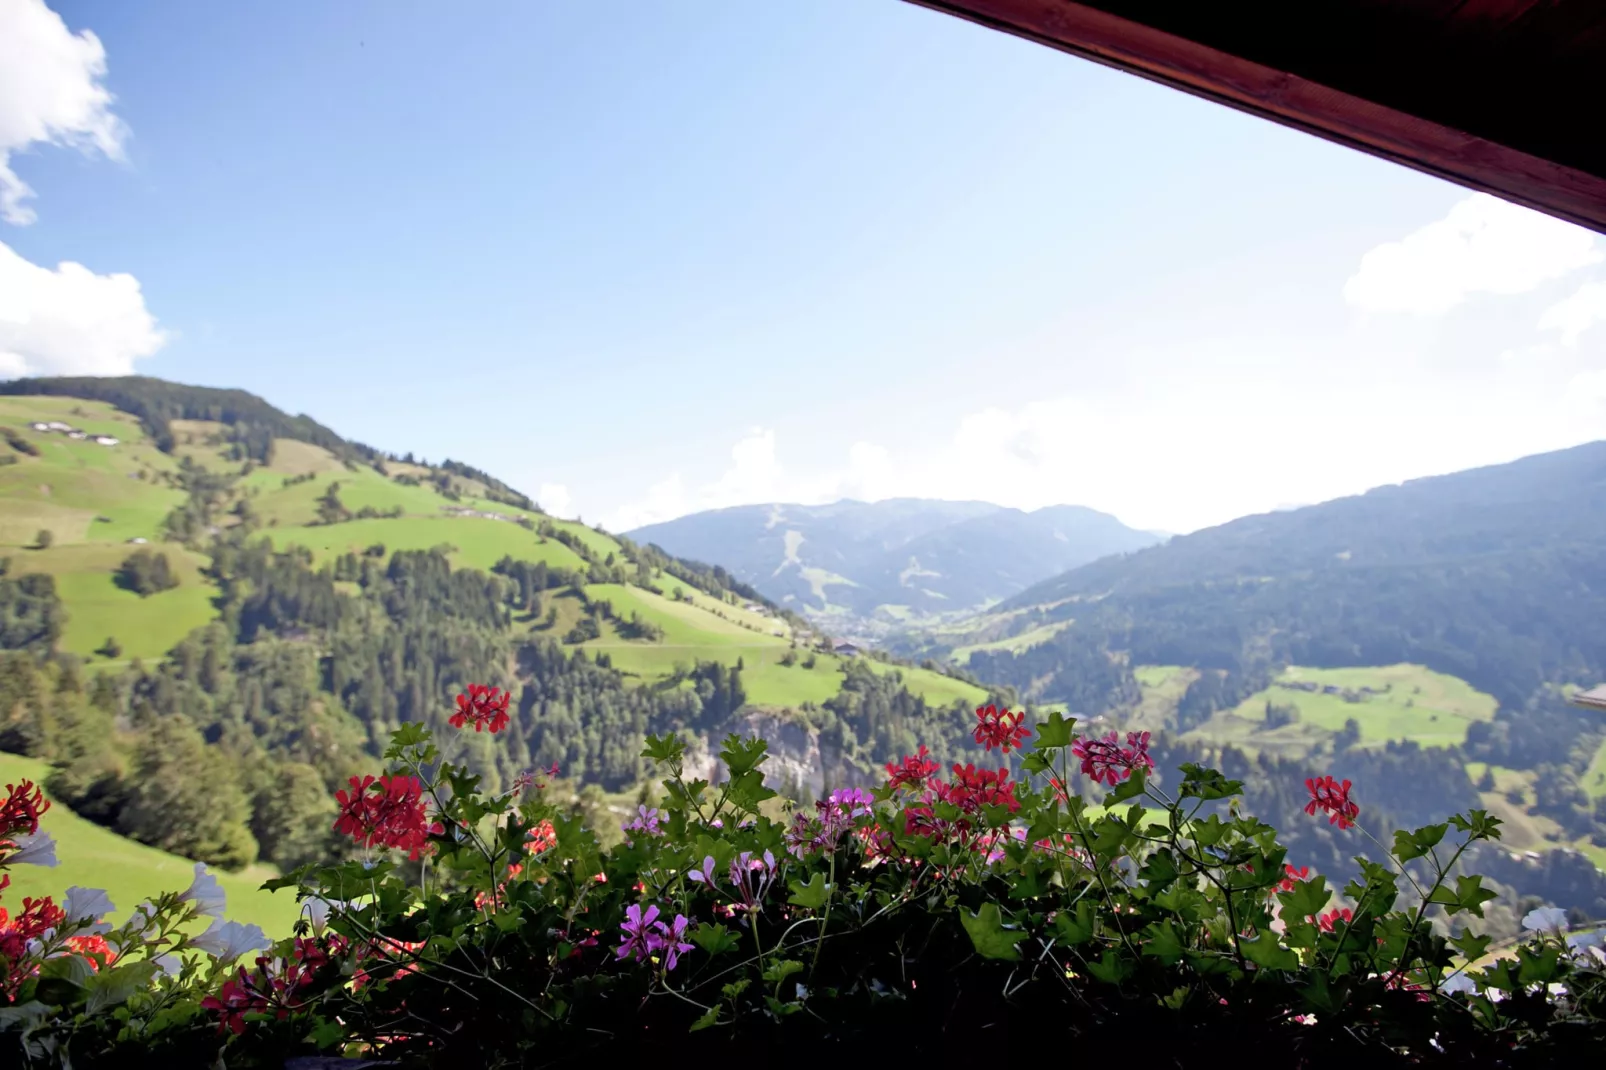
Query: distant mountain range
900, 558
1496, 575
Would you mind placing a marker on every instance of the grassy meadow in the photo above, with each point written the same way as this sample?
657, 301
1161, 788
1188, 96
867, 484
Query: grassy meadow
95, 857
1388, 703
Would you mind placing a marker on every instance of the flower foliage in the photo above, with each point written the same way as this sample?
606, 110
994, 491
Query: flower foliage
910, 918
1107, 761
386, 811
1332, 798
483, 707
1000, 728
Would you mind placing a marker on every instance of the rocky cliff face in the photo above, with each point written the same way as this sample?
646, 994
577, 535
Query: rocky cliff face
799, 764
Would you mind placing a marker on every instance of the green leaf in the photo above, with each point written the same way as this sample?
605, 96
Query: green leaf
710, 1017
1471, 945
667, 748
1266, 952
746, 790
1199, 782
1112, 969
1160, 869
780, 971
116, 985
1163, 943
1044, 827
1538, 966
1405, 847
1076, 926
1428, 836
987, 933
1027, 884
1479, 823
410, 734
812, 895
1409, 845
1209, 832
1306, 899
1498, 976
743, 755
327, 1033
1055, 732
1319, 994
1471, 894
714, 939
1130, 788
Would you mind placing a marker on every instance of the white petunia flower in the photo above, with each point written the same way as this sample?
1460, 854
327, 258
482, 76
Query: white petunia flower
143, 916
170, 965
205, 892
38, 849
228, 940
92, 904
1583, 941
317, 909
1545, 919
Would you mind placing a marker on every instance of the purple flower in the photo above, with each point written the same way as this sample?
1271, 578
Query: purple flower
637, 929
670, 939
804, 837
704, 875
853, 802
646, 936
752, 877
645, 821
835, 816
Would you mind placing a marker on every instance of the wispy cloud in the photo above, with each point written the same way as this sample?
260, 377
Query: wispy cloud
1483, 246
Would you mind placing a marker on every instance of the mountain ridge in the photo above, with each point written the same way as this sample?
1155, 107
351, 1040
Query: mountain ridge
893, 558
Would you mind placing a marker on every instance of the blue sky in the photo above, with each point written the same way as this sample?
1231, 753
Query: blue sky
722, 252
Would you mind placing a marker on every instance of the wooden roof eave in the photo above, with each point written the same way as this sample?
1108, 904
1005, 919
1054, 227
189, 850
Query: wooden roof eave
1294, 101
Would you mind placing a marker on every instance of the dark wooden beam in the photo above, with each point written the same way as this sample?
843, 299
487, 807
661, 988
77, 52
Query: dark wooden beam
1378, 127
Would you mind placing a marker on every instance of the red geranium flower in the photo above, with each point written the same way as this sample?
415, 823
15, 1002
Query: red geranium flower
1291, 876
1000, 728
19, 813
484, 707
1332, 798
92, 946
1332, 917
38, 916
386, 812
913, 771
237, 998
1108, 762
542, 837
972, 788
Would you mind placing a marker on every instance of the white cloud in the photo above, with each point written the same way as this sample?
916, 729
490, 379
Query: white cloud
1484, 245
1574, 315
556, 500
754, 475
1184, 454
50, 93
71, 321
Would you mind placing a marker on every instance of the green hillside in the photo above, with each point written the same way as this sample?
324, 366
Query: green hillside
1388, 704
95, 499
94, 857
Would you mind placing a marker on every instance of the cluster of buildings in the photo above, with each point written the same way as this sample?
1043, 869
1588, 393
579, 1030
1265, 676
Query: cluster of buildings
72, 432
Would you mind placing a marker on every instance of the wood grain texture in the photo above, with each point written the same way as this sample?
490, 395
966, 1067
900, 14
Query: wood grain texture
1506, 96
